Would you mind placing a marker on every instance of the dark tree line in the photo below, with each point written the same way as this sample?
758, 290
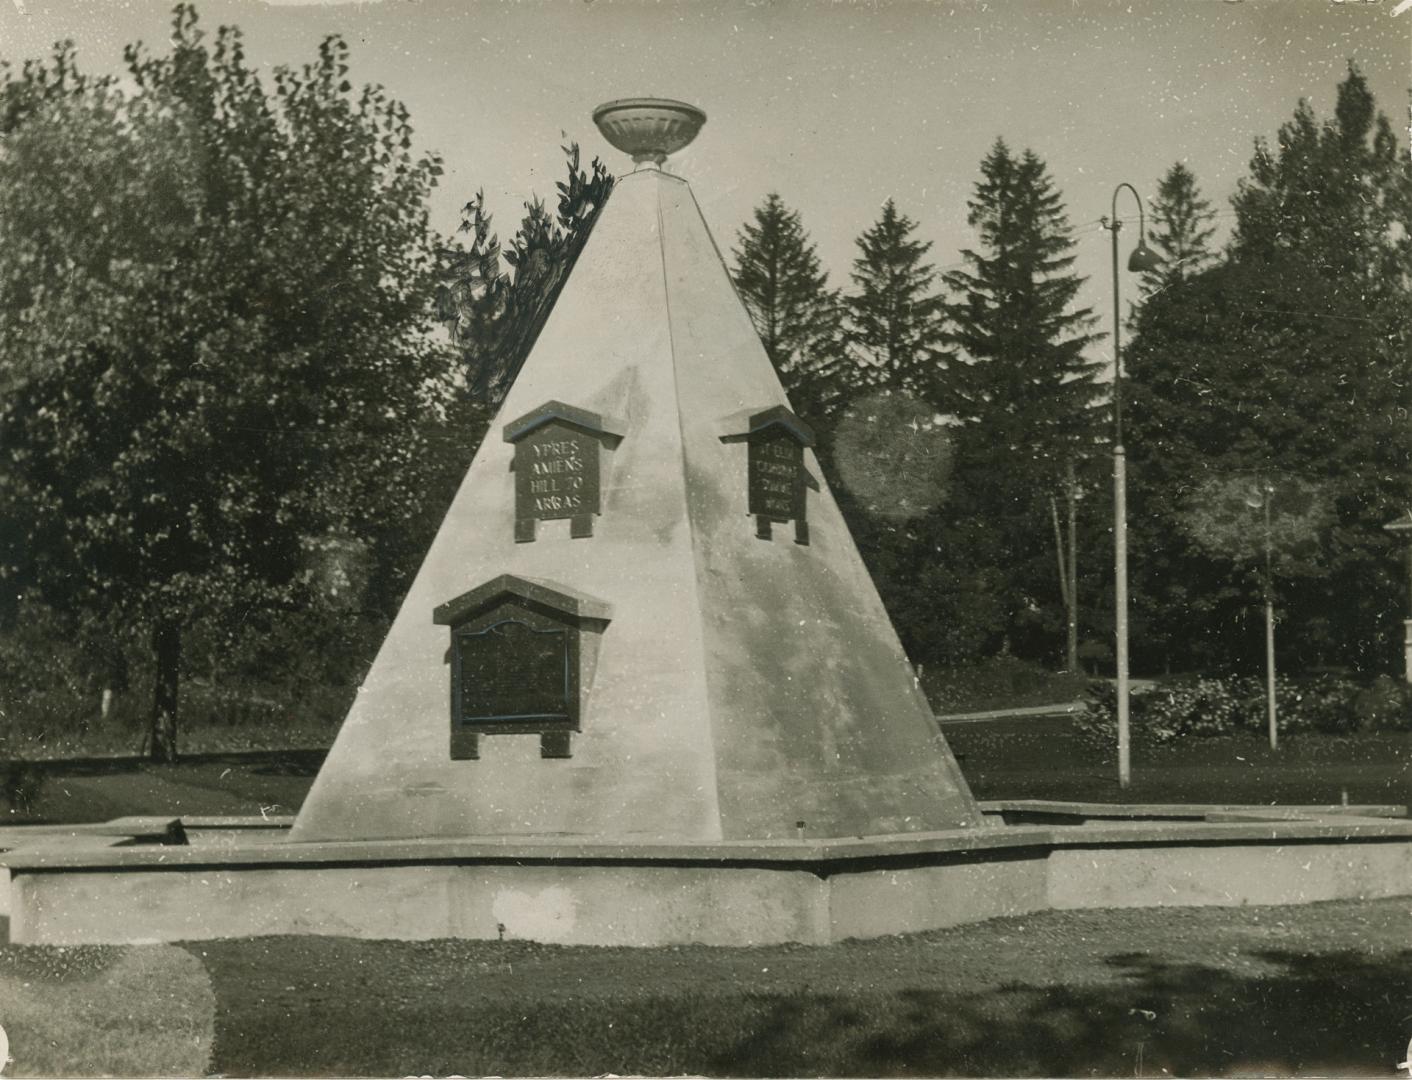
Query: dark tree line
1283, 363
996, 349
1279, 364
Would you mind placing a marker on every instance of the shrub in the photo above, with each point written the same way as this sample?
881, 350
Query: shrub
1206, 707
1386, 705
1325, 703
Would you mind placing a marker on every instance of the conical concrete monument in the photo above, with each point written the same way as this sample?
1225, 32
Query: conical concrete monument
642, 692
643, 618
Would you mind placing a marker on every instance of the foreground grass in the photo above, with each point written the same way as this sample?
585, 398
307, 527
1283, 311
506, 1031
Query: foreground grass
82, 1011
1317, 989
1320, 988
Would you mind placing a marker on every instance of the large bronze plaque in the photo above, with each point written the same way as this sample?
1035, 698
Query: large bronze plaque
510, 671
776, 463
556, 473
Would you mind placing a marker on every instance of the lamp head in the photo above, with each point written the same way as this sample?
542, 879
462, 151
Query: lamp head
1143, 258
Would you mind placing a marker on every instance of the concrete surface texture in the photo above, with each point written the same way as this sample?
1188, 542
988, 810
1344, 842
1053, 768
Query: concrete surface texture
744, 688
724, 893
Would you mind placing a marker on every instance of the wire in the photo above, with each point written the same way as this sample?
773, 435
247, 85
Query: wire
1312, 314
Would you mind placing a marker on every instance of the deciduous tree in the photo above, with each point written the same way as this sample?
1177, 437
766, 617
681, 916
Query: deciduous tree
1290, 358
215, 298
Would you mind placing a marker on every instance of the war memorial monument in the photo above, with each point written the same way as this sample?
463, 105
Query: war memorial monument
643, 691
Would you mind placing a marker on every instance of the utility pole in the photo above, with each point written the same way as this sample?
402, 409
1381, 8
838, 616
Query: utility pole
1261, 496
1270, 631
1073, 494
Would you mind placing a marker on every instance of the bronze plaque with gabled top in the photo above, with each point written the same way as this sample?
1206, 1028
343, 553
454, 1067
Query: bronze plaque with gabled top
511, 672
521, 654
776, 477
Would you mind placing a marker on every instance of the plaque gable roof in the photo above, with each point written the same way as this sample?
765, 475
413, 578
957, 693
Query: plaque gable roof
777, 415
545, 594
587, 420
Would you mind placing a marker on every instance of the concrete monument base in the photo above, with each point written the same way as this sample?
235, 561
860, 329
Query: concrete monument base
136, 881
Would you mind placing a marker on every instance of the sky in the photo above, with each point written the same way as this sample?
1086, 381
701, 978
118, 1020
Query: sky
836, 106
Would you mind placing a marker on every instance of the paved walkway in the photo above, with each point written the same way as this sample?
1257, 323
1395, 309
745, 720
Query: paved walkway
1067, 708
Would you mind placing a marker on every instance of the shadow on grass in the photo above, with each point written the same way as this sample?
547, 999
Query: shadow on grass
1279, 1012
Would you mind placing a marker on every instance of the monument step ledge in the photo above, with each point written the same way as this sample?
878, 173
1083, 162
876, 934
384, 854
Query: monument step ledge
55, 852
1193, 811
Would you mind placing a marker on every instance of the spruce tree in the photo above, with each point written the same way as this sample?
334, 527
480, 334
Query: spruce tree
1029, 388
894, 324
1014, 319
779, 279
1181, 229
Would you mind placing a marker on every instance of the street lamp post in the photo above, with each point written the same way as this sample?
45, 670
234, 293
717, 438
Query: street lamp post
1143, 258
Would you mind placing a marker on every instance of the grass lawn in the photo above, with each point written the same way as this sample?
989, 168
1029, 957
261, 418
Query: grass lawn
1040, 758
146, 1011
1197, 992
100, 790
1321, 988
1044, 758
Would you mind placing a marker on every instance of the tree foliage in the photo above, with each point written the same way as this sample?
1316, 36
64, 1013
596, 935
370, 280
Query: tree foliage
1289, 358
1181, 229
796, 314
1025, 384
216, 308
1334, 194
494, 314
1226, 516
894, 328
1014, 317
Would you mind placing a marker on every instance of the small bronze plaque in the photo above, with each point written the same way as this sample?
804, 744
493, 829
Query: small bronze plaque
776, 463
556, 473
775, 474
